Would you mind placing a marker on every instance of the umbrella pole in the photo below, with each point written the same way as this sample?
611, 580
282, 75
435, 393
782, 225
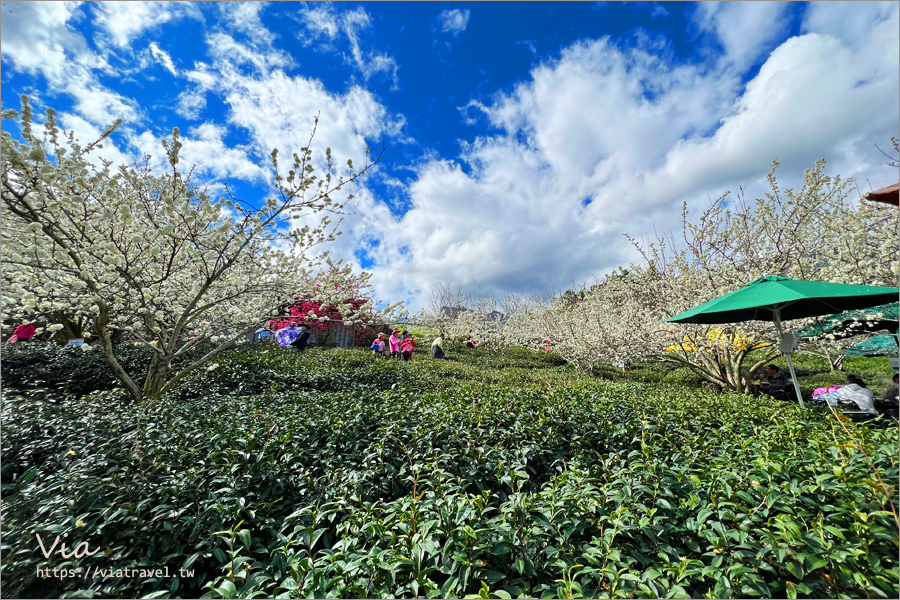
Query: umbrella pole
788, 356
794, 378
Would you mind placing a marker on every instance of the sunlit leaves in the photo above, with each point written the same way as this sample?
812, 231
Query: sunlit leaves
336, 474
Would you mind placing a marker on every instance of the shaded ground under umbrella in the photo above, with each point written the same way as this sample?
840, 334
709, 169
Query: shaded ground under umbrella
778, 299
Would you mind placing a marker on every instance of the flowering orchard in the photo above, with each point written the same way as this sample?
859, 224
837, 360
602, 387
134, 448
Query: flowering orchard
491, 322
814, 233
584, 329
151, 254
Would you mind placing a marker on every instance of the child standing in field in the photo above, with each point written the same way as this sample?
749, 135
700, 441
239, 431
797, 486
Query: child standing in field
378, 345
407, 345
394, 344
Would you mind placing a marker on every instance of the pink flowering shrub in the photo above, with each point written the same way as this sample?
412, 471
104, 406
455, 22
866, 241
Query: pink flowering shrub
323, 315
299, 313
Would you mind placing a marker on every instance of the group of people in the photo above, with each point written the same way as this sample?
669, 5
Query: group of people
401, 344
854, 391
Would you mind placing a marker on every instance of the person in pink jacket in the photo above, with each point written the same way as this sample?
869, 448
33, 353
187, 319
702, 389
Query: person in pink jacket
378, 346
394, 343
23, 333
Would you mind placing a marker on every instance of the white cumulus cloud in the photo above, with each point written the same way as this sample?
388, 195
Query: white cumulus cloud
245, 17
746, 30
122, 22
37, 39
605, 141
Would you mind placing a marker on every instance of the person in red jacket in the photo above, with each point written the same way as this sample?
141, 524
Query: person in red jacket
407, 345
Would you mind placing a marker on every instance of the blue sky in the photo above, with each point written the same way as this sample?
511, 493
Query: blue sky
523, 139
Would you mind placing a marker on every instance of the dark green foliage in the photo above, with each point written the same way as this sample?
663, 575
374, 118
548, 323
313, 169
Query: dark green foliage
335, 474
66, 368
71, 370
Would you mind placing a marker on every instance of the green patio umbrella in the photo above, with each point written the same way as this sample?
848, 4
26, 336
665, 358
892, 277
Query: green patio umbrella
852, 322
780, 299
880, 345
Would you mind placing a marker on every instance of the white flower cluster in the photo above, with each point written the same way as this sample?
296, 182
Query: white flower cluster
150, 254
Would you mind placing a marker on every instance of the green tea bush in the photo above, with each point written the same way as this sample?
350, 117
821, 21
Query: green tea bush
513, 357
72, 370
65, 368
336, 474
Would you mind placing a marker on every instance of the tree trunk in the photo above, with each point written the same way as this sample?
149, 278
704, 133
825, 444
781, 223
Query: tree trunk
838, 363
156, 375
110, 358
835, 360
725, 376
71, 329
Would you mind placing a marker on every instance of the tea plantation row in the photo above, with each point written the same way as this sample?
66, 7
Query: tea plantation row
336, 475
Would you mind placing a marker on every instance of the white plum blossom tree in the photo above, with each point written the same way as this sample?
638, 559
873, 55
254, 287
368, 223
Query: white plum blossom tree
458, 313
446, 303
813, 233
598, 324
493, 322
151, 254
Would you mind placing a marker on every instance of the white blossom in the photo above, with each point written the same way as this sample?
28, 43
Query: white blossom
150, 253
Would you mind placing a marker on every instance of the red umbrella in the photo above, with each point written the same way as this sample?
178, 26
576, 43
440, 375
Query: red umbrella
888, 195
